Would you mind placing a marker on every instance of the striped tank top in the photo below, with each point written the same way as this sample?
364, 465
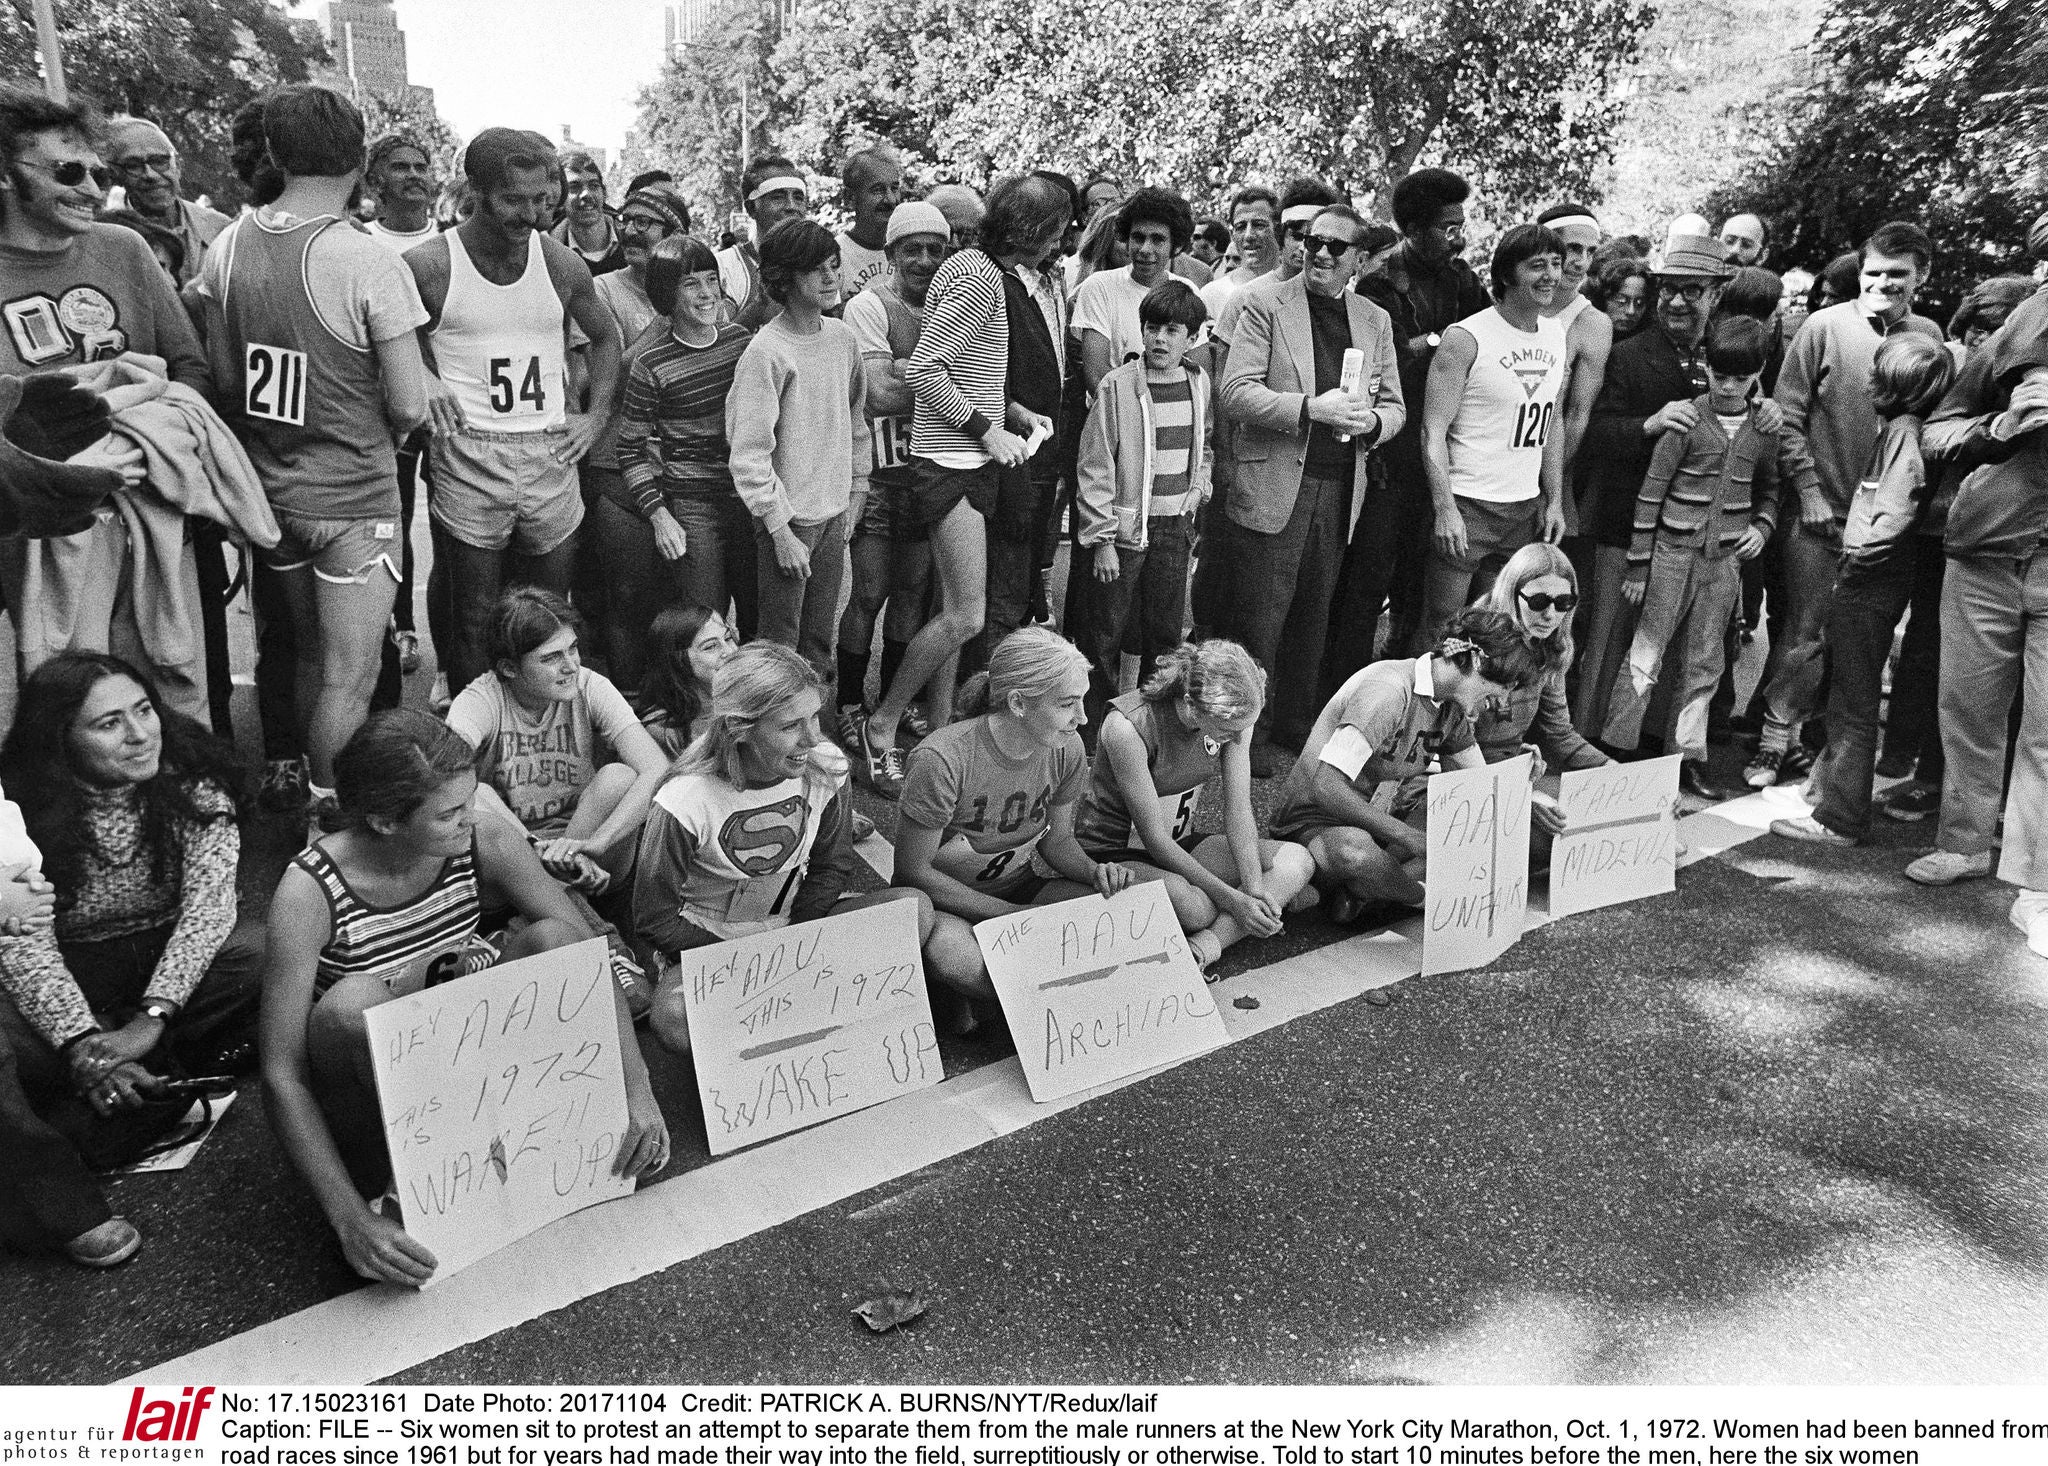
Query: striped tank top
391, 942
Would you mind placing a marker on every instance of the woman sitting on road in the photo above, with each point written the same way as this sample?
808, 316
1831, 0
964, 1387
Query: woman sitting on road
986, 823
1157, 749
753, 830
685, 648
561, 753
1354, 798
144, 973
368, 915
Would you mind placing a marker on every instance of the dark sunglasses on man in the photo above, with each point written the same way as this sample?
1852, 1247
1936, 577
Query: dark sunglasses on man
1540, 603
69, 173
1336, 249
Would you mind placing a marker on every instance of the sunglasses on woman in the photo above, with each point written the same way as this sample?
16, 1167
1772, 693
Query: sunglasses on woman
70, 173
1540, 603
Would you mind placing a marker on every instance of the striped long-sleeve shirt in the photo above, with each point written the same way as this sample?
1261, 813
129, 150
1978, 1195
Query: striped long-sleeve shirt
959, 373
1704, 488
672, 426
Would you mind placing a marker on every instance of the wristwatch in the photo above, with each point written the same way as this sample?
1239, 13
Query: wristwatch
161, 1012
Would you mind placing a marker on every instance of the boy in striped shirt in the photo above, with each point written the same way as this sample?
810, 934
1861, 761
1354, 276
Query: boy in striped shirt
1143, 472
1708, 503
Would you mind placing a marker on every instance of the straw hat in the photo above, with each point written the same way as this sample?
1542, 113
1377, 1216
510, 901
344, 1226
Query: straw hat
1692, 256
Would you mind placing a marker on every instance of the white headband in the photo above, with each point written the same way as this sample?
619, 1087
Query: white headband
1572, 222
776, 185
1301, 211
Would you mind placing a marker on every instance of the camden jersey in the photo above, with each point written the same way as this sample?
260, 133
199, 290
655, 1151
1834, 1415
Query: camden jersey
1181, 759
993, 808
749, 848
1508, 410
501, 348
1385, 724
884, 322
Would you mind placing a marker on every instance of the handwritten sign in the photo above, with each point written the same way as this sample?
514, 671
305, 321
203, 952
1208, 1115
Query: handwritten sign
1477, 889
1096, 990
1620, 840
799, 1025
504, 1098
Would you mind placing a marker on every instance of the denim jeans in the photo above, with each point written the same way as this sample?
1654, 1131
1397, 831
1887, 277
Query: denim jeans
718, 569
1794, 692
1686, 606
1910, 727
1994, 642
638, 584
804, 613
1148, 595
1868, 601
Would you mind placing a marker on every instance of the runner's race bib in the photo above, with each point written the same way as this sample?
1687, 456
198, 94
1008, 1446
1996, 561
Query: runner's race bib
274, 384
891, 442
1178, 810
960, 860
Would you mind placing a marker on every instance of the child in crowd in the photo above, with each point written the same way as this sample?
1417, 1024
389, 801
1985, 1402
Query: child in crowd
1352, 797
672, 446
753, 831
1708, 503
561, 752
1158, 747
985, 826
359, 918
801, 454
1873, 587
685, 648
1143, 472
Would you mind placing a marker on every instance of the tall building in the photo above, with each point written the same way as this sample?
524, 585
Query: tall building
369, 49
692, 22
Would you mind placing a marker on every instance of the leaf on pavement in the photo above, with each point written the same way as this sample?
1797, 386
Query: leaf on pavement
890, 1309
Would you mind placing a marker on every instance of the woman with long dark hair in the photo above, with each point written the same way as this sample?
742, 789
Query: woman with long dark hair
144, 972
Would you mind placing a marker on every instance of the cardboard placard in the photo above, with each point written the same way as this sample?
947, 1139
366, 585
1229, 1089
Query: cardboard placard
1620, 840
1476, 892
799, 1025
504, 1100
1097, 990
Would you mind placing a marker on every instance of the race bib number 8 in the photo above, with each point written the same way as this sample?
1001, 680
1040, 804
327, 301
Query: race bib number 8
274, 384
891, 438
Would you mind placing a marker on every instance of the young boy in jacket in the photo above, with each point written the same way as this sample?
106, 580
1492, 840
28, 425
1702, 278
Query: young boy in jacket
1143, 472
1708, 503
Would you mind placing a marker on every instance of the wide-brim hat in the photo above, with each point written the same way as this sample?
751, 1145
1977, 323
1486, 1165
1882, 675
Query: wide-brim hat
1693, 257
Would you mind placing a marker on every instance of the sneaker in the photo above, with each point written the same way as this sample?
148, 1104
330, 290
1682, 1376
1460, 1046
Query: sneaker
1912, 803
440, 698
1945, 868
283, 787
109, 1244
1796, 763
863, 827
408, 644
1812, 831
476, 953
633, 981
850, 715
1764, 768
1896, 764
880, 769
915, 727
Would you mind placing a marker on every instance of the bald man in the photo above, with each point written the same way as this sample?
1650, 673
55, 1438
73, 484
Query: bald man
146, 165
871, 187
1746, 239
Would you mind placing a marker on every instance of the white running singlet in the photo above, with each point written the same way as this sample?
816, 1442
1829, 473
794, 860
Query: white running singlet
1509, 409
501, 347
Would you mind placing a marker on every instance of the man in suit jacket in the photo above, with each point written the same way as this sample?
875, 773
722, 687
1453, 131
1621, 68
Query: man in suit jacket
1299, 450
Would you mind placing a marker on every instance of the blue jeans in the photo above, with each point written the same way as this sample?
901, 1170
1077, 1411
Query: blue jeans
1868, 601
1150, 593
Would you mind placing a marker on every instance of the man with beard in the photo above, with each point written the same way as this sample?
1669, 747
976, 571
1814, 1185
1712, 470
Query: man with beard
587, 226
1490, 442
872, 187
771, 190
146, 165
499, 293
400, 176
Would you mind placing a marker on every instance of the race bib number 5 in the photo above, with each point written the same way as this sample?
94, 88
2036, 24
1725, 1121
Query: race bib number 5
1178, 810
274, 384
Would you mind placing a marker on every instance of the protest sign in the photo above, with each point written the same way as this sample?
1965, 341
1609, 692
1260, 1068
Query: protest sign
1620, 840
1477, 888
797, 1025
504, 1099
1096, 990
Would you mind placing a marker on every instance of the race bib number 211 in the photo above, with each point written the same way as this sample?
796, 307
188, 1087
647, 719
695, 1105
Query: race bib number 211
274, 384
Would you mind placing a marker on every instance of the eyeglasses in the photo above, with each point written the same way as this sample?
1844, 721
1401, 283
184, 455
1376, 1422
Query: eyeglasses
640, 224
1688, 290
1296, 229
137, 166
1540, 603
1335, 248
70, 173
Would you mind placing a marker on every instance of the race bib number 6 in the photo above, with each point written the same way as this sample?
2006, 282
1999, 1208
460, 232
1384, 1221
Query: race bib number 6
274, 384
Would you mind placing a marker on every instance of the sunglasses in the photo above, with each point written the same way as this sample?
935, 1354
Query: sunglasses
70, 173
1682, 290
1336, 249
1540, 603
137, 166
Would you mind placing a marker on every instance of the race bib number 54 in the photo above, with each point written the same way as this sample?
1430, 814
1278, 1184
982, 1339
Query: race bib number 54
274, 384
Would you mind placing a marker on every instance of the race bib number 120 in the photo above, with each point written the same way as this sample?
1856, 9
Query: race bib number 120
274, 384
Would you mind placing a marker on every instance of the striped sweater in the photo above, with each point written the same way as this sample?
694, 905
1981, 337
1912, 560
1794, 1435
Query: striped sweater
672, 426
1704, 490
959, 374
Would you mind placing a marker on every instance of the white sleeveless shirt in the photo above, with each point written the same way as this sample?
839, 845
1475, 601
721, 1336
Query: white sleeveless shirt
1509, 409
501, 347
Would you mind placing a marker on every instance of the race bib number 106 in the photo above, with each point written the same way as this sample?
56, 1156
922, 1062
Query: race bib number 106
274, 384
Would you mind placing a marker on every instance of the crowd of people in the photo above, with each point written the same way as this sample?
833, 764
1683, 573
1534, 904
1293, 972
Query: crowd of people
723, 532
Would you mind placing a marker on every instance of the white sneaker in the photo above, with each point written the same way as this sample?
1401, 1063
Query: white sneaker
2030, 915
1945, 868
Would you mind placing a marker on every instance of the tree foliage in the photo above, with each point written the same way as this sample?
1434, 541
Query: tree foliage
690, 114
409, 113
1931, 110
187, 65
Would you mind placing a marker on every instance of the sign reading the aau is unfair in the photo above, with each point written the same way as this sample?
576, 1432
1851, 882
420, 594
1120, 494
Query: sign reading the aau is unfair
1096, 990
809, 1022
504, 1099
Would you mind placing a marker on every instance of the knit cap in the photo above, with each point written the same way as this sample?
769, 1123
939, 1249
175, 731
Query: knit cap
916, 217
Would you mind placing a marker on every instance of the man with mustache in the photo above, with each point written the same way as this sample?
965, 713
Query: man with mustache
587, 225
401, 178
146, 165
